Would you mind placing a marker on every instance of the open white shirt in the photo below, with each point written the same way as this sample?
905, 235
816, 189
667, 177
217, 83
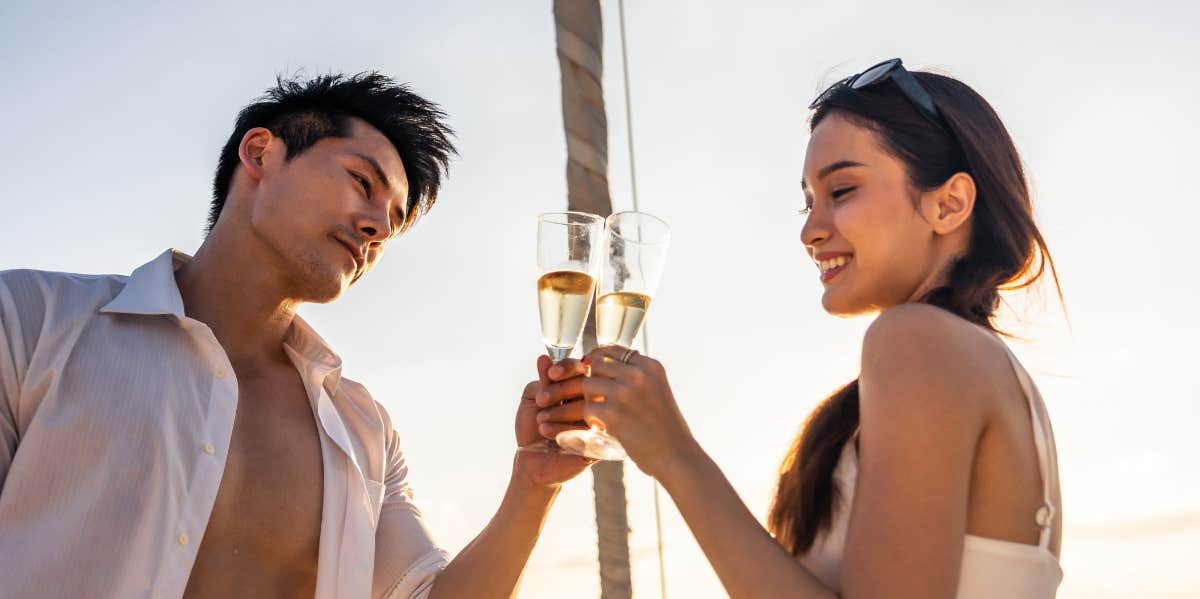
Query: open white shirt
116, 411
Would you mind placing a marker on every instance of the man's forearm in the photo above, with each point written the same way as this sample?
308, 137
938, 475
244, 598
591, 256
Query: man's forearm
492, 564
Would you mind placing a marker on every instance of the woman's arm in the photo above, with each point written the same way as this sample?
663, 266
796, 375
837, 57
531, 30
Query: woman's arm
921, 403
921, 419
747, 559
749, 562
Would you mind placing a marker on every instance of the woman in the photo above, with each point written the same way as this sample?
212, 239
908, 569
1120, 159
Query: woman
934, 473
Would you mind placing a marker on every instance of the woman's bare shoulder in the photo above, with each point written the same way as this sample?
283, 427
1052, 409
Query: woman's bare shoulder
921, 353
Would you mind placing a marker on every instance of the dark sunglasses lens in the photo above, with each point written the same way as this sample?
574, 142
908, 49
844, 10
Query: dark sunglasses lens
874, 74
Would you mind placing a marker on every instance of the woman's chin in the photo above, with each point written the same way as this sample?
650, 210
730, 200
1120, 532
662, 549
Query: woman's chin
844, 305
833, 304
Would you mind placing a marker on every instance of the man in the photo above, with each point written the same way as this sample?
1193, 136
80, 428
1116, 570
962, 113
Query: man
181, 432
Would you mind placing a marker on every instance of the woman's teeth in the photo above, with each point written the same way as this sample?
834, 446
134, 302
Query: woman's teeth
828, 265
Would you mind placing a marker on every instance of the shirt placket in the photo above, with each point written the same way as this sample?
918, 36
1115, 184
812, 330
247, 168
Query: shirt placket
357, 558
211, 451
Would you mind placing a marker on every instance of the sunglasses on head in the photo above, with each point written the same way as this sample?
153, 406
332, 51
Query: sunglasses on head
890, 70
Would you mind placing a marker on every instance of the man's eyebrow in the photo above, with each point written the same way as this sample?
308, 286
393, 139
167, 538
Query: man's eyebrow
829, 170
375, 167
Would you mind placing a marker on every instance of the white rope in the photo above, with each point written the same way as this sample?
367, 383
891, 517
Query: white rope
628, 112
662, 576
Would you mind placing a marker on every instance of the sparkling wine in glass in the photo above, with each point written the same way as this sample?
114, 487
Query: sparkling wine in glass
635, 251
569, 245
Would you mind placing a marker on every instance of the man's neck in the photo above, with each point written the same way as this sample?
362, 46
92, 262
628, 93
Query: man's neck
242, 299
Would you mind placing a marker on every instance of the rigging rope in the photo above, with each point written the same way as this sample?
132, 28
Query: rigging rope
662, 578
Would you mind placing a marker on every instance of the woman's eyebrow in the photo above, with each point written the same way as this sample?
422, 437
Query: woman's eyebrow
829, 170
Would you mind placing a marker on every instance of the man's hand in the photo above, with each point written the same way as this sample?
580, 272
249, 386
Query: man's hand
539, 463
630, 397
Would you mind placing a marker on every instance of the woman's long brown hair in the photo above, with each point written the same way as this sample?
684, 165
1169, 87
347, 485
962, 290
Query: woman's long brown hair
1006, 251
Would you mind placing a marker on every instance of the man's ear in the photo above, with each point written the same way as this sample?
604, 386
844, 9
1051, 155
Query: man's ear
253, 151
949, 206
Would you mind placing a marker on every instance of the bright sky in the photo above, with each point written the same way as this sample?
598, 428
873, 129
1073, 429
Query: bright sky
113, 119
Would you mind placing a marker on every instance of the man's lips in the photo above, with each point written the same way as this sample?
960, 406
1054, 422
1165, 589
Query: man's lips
355, 253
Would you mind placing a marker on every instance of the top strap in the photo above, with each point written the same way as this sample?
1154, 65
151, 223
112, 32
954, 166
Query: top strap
1045, 448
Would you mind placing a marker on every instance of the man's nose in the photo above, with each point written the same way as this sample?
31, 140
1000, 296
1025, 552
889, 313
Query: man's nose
375, 227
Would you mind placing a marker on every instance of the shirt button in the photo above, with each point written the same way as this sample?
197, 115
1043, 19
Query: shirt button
183, 539
220, 373
208, 448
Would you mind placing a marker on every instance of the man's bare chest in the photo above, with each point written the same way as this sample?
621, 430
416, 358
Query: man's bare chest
266, 519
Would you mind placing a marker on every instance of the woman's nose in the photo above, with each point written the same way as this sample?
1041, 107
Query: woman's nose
816, 229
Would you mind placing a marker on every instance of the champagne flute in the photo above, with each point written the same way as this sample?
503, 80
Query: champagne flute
569, 245
635, 252
568, 258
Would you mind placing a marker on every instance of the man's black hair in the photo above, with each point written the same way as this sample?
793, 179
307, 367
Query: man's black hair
303, 112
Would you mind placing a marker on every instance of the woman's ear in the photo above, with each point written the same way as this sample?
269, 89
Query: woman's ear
949, 206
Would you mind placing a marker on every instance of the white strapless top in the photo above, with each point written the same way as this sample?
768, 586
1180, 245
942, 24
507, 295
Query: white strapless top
991, 569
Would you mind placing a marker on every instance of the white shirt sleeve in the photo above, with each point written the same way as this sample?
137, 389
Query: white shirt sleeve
16, 343
406, 558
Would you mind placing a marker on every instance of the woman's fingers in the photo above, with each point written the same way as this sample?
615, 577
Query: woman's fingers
606, 362
556, 393
570, 411
596, 389
598, 394
611, 352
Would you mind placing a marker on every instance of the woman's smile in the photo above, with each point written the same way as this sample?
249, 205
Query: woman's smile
832, 264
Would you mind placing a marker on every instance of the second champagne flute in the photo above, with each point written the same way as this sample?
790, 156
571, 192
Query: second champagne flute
635, 251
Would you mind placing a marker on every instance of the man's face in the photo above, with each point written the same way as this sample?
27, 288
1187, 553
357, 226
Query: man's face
327, 213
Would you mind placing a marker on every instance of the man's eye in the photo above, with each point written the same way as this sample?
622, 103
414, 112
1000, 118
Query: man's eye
366, 185
805, 211
838, 193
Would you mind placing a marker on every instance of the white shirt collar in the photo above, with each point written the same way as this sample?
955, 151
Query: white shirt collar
152, 290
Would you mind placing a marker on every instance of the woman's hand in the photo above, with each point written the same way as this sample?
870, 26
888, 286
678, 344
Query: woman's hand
632, 401
541, 465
